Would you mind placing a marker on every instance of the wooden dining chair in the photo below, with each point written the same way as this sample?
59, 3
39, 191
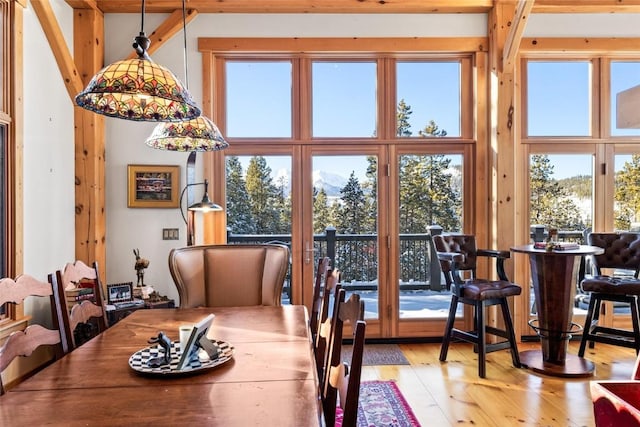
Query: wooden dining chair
229, 275
321, 343
342, 380
621, 252
458, 254
318, 292
85, 318
23, 343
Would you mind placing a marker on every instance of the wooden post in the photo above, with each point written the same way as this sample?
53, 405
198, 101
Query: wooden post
89, 145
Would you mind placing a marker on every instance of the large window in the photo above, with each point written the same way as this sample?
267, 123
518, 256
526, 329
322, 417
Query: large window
360, 154
7, 167
583, 167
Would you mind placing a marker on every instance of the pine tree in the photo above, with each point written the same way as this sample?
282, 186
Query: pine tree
431, 129
263, 196
627, 194
352, 212
239, 218
321, 217
428, 194
550, 202
283, 205
403, 127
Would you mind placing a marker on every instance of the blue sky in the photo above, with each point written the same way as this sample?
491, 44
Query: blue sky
344, 97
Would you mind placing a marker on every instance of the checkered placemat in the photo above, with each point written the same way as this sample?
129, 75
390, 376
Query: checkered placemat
138, 360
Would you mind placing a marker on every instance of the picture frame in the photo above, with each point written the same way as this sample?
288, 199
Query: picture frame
120, 292
153, 186
198, 339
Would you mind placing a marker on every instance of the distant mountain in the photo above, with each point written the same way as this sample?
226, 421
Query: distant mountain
331, 182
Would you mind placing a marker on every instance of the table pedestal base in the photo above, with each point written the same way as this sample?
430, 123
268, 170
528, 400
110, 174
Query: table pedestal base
574, 366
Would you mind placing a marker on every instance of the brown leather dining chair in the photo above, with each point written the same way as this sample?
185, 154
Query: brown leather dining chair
23, 343
458, 255
229, 275
621, 252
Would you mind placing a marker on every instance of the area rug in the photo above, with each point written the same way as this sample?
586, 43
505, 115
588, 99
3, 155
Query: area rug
382, 404
377, 354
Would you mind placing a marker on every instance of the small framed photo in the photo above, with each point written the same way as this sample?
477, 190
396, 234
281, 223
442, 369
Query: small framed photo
120, 292
153, 186
198, 340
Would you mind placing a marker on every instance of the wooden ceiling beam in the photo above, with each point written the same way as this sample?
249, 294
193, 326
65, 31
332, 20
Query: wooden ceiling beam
297, 6
587, 6
66, 65
579, 45
166, 30
84, 4
512, 43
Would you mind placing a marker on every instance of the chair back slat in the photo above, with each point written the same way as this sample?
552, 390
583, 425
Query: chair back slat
321, 343
318, 291
349, 311
83, 311
23, 343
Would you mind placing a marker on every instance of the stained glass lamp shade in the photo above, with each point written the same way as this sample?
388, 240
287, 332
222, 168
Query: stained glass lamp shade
199, 134
138, 89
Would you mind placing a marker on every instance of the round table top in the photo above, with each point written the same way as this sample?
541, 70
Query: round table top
582, 250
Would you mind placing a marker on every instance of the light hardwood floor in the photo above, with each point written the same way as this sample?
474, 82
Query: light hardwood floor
451, 393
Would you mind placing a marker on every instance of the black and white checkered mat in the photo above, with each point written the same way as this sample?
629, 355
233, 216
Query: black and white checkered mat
138, 360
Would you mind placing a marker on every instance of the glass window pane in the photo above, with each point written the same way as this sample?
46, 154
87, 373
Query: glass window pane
344, 99
626, 205
561, 197
624, 75
559, 98
345, 222
428, 94
430, 195
258, 204
258, 99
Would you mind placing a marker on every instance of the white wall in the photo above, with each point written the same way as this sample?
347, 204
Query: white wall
49, 199
48, 222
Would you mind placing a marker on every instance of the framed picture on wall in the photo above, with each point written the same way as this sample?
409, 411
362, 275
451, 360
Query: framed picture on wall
153, 186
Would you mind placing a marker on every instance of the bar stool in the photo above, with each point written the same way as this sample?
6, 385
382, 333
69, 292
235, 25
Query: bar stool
458, 253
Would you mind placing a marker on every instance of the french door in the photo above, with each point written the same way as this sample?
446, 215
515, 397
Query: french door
370, 208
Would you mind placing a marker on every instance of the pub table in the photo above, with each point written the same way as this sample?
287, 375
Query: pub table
553, 278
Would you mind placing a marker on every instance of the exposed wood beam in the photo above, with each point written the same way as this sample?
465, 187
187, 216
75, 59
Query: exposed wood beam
167, 29
52, 31
299, 6
512, 43
90, 200
600, 45
84, 4
352, 44
587, 6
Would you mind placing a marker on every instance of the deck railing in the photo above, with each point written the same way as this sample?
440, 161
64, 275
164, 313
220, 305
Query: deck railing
356, 256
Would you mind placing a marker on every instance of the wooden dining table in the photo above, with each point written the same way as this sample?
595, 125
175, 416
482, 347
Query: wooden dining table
271, 379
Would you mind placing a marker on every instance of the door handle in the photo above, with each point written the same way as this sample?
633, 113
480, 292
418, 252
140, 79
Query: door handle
309, 250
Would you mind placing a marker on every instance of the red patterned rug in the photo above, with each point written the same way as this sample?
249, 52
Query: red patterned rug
382, 404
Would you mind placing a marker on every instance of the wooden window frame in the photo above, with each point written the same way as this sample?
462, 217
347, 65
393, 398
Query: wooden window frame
11, 119
302, 51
